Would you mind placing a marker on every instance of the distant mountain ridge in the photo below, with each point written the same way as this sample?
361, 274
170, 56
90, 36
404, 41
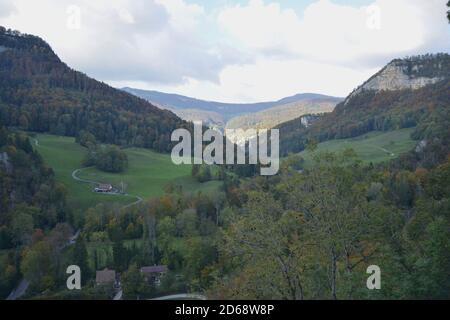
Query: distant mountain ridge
170, 100
269, 118
219, 114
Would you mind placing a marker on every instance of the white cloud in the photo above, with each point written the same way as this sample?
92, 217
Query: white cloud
252, 52
6, 8
268, 79
259, 26
331, 49
148, 40
335, 33
183, 16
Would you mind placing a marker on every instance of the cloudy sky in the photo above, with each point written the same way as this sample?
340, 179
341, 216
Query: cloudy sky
233, 50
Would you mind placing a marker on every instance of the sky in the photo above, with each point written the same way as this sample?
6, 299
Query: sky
233, 50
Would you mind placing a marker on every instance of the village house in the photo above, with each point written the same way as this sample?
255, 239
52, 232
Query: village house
104, 188
154, 274
105, 277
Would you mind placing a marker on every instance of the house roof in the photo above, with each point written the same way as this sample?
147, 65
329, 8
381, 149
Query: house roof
105, 186
105, 276
154, 269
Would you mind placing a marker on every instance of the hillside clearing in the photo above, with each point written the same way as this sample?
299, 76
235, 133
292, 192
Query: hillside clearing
373, 147
148, 173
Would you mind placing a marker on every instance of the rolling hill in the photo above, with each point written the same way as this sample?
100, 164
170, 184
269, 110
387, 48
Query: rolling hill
373, 147
273, 116
218, 114
270, 118
38, 92
407, 93
148, 173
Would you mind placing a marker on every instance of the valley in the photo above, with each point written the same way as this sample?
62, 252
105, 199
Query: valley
77, 156
219, 115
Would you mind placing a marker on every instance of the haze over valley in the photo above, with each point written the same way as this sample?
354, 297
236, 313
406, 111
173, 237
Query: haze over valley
218, 115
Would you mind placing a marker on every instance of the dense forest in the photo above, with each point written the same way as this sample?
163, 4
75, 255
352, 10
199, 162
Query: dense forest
31, 202
297, 235
312, 235
178, 230
40, 93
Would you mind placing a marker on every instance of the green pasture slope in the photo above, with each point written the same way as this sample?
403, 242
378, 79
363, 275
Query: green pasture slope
372, 147
64, 156
148, 173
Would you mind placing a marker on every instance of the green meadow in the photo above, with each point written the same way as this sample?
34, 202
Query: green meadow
373, 147
147, 175
150, 172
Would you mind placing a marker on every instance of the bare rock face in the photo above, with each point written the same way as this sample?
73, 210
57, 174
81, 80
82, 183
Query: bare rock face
394, 77
412, 73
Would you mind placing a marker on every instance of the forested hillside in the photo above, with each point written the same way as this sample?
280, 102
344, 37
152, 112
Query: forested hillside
272, 117
312, 231
38, 92
312, 235
239, 115
382, 110
31, 202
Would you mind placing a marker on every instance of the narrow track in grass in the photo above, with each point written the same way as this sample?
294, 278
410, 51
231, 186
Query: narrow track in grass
75, 177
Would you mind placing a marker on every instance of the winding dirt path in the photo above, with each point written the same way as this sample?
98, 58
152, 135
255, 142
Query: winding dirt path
75, 177
386, 151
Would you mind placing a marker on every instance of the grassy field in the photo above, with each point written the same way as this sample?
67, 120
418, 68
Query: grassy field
373, 147
148, 173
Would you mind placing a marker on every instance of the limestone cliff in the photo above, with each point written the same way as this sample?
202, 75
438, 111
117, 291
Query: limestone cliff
410, 73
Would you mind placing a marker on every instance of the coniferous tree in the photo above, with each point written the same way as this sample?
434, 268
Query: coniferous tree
80, 258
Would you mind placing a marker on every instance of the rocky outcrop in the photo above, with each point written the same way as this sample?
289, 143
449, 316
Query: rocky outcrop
394, 77
412, 73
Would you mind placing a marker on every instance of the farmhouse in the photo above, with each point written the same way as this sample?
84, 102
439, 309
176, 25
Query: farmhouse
153, 275
104, 188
